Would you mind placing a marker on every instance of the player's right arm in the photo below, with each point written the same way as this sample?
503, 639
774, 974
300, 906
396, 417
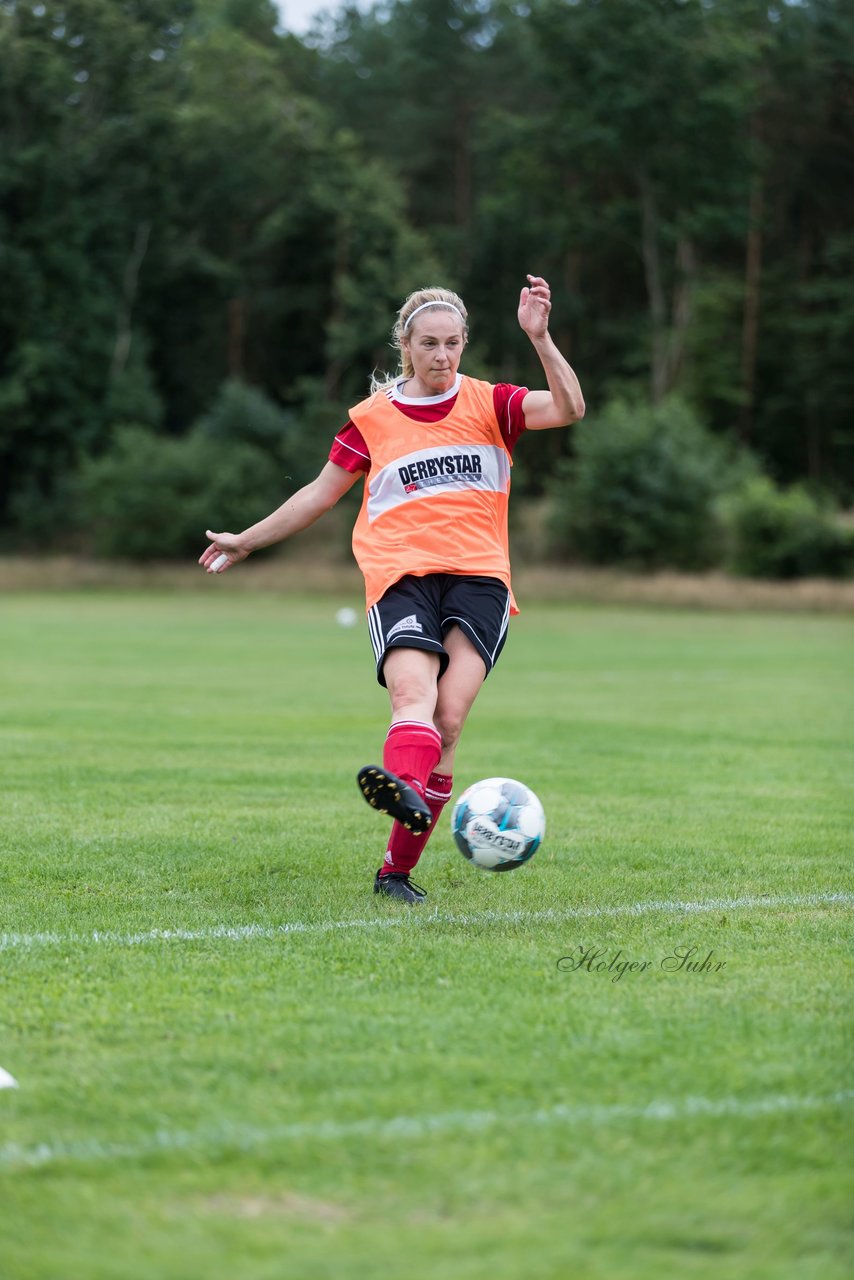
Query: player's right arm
301, 509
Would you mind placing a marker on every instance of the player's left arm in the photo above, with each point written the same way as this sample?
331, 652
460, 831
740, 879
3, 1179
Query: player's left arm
563, 403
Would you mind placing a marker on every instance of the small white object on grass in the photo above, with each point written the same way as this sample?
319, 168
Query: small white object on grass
219, 563
7, 1081
346, 617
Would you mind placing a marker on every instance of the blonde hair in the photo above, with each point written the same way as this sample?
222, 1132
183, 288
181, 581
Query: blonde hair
437, 298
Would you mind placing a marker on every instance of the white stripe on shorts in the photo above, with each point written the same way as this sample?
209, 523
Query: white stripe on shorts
375, 630
463, 622
505, 622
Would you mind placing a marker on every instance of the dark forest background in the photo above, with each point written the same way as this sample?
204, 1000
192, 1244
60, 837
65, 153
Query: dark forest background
207, 225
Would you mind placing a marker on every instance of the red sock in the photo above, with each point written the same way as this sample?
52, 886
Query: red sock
412, 750
404, 848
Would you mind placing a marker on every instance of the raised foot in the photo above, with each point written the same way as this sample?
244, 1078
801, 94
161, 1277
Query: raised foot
389, 794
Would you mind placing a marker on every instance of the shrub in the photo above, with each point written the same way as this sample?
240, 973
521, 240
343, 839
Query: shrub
641, 489
784, 533
245, 415
152, 497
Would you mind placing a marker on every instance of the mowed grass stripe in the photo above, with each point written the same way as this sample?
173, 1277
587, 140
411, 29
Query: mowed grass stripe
419, 918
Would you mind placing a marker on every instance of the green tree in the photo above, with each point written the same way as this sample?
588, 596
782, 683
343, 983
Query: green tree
189, 197
84, 93
678, 169
175, 214
797, 401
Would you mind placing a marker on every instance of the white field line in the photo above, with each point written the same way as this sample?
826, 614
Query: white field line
419, 918
15, 1157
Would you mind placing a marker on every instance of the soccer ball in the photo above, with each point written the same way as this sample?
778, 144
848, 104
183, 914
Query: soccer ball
498, 824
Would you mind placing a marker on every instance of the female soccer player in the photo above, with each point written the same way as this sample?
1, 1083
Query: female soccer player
435, 449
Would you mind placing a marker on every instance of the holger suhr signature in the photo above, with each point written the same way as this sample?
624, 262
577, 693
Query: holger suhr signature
692, 960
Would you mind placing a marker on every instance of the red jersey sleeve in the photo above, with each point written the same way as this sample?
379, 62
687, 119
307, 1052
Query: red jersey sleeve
507, 400
349, 450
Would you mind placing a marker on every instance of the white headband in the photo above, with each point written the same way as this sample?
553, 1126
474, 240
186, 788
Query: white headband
435, 303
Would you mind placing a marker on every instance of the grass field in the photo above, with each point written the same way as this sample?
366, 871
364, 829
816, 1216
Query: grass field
234, 1061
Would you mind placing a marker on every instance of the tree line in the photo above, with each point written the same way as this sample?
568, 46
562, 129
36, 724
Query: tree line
207, 224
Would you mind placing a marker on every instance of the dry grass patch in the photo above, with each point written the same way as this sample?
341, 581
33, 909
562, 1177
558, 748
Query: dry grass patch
284, 1204
326, 574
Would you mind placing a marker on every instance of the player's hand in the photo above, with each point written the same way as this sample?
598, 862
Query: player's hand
535, 303
224, 551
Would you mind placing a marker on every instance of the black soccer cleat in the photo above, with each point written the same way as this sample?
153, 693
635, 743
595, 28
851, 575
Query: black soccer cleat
398, 885
391, 795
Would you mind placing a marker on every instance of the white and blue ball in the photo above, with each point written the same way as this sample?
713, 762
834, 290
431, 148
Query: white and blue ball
498, 824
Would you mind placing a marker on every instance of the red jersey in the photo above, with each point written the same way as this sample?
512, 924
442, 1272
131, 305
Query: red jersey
350, 451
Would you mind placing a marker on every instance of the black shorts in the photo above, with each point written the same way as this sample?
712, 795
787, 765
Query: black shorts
417, 613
